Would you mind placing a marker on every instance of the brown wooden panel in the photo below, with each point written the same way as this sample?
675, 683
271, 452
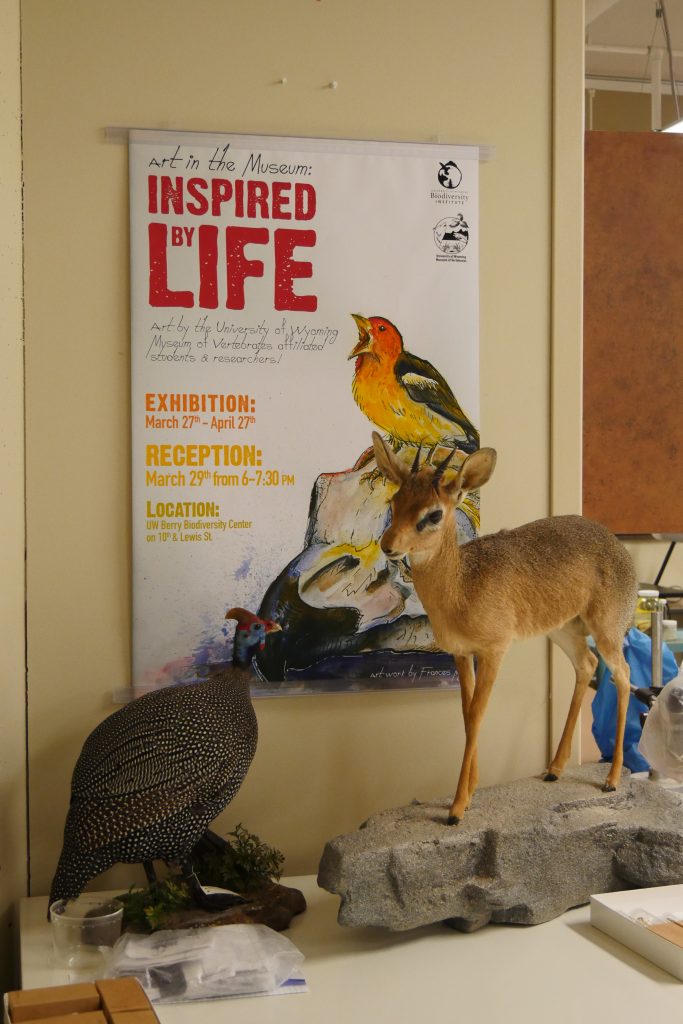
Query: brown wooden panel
633, 332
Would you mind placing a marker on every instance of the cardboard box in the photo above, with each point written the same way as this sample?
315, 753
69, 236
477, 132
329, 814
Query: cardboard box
618, 914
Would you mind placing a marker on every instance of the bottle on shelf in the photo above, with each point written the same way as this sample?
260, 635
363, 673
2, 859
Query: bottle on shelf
646, 604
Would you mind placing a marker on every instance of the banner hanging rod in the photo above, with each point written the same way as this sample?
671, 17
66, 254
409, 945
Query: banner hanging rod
120, 134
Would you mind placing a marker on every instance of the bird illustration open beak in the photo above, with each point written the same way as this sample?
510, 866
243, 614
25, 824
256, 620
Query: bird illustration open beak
364, 336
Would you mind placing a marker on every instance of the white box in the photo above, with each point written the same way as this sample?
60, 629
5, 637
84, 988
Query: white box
614, 913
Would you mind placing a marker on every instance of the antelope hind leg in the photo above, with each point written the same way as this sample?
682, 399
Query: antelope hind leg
614, 658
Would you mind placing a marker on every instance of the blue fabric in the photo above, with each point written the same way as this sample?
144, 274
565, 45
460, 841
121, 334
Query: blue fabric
638, 654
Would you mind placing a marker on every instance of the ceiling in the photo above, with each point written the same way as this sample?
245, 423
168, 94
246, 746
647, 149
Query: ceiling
631, 25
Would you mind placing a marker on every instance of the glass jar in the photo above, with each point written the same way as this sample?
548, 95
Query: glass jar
645, 606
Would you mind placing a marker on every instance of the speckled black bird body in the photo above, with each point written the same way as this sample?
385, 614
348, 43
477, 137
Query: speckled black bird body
153, 776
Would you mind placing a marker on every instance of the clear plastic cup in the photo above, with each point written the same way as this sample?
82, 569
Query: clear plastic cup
84, 930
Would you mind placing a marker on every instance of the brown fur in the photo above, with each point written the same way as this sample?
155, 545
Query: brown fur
564, 576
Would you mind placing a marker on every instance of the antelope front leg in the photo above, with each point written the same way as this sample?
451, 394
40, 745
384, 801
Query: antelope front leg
487, 670
465, 667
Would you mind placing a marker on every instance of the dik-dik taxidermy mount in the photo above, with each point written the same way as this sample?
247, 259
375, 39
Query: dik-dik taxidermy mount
564, 576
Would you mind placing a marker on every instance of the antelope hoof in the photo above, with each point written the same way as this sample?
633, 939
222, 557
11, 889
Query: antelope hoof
550, 777
452, 819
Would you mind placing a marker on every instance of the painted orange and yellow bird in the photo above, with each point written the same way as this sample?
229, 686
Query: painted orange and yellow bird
403, 394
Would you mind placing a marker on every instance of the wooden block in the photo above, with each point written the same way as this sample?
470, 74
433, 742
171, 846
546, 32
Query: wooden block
55, 1001
133, 1017
670, 930
122, 995
91, 1017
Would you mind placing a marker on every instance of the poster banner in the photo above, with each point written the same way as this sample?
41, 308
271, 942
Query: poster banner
289, 296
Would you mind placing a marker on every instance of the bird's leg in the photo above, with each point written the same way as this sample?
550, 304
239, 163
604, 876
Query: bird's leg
208, 900
372, 475
150, 873
428, 460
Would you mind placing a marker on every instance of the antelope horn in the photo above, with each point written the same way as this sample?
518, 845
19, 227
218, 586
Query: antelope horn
441, 468
416, 461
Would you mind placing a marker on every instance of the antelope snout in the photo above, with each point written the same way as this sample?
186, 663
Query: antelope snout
387, 548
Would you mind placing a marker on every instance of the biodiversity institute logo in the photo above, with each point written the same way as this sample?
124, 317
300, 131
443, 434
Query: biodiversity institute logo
449, 175
447, 189
451, 236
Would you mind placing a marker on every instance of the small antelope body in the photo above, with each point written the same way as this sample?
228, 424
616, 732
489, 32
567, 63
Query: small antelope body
564, 576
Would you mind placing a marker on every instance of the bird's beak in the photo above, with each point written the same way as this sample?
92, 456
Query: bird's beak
274, 627
364, 335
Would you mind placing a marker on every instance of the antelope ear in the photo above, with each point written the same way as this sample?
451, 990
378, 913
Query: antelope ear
393, 469
474, 472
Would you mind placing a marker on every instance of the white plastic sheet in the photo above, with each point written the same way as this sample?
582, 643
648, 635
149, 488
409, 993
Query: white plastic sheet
206, 963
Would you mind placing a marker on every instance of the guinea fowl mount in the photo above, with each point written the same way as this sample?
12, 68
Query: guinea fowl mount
152, 776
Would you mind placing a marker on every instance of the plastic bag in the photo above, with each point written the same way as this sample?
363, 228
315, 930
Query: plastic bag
638, 654
206, 963
662, 739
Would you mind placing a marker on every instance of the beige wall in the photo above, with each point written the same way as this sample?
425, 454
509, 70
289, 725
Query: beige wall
625, 111
13, 869
458, 72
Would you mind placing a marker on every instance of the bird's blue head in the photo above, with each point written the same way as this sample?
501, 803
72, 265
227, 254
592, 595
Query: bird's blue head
250, 635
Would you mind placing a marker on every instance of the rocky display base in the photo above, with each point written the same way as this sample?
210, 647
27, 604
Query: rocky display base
524, 853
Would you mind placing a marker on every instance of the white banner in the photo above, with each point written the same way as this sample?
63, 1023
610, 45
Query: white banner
288, 297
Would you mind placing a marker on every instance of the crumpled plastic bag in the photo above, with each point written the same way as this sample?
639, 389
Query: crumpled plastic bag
206, 963
662, 739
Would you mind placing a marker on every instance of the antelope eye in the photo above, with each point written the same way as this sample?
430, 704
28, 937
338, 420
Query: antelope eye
432, 517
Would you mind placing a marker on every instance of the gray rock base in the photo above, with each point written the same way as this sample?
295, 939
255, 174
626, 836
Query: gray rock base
524, 853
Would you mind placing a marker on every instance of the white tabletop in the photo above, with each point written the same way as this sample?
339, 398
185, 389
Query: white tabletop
564, 971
